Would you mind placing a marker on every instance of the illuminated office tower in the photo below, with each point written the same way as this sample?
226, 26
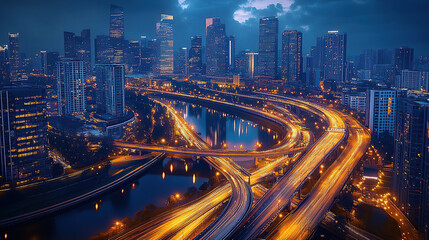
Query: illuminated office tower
164, 32
23, 132
216, 48
331, 50
196, 55
70, 76
78, 47
403, 58
292, 56
411, 160
4, 66
103, 50
110, 89
251, 60
231, 53
14, 57
117, 33
268, 46
381, 111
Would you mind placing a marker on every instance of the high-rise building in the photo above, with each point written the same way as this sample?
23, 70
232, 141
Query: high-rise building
181, 62
133, 56
385, 56
251, 61
292, 56
368, 59
403, 59
70, 76
411, 160
117, 34
4, 66
331, 51
14, 57
23, 132
268, 47
412, 80
78, 47
355, 101
164, 33
231, 53
110, 89
147, 54
216, 48
116, 22
51, 62
381, 111
196, 55
103, 50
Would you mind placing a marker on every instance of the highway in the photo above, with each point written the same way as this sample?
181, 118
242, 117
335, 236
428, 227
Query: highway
280, 195
283, 191
213, 152
191, 215
303, 220
241, 193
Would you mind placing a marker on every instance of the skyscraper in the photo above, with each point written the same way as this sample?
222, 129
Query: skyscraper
133, 56
70, 76
385, 56
4, 66
110, 89
103, 50
78, 47
381, 111
116, 22
231, 53
14, 57
181, 61
196, 55
216, 48
23, 132
147, 54
403, 58
368, 59
268, 46
164, 32
117, 33
292, 56
411, 161
51, 61
331, 49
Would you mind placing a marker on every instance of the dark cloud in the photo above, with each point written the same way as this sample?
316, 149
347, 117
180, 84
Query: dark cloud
368, 23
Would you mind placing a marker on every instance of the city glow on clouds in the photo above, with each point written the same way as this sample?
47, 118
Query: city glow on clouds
305, 27
183, 4
248, 9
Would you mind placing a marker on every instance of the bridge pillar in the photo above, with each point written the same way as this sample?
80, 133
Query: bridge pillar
256, 161
299, 194
140, 153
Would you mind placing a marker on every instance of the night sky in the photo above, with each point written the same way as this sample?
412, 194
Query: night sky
368, 23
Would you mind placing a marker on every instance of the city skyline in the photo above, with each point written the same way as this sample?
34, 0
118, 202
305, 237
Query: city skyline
94, 15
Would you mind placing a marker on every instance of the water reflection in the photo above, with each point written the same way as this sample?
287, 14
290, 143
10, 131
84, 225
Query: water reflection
86, 220
222, 130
